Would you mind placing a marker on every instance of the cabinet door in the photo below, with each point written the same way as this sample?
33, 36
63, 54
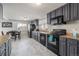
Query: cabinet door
2, 49
9, 47
43, 39
75, 14
59, 11
73, 11
73, 47
68, 47
78, 10
78, 47
48, 18
52, 14
62, 46
66, 12
6, 48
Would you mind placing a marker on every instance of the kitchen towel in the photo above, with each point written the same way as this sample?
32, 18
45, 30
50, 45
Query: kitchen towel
50, 38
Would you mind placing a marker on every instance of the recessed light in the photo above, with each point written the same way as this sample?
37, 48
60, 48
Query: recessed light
38, 4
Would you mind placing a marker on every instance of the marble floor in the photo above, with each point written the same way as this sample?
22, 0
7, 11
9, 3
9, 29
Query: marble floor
29, 47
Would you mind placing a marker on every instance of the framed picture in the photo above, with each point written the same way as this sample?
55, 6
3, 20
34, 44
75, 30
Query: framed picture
6, 24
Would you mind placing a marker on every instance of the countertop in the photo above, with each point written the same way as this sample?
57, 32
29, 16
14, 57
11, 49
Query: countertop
69, 37
4, 39
44, 32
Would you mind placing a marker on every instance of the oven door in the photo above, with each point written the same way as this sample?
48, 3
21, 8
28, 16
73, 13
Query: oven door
53, 43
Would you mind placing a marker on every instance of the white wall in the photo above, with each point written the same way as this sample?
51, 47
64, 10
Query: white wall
1, 11
71, 27
14, 26
23, 30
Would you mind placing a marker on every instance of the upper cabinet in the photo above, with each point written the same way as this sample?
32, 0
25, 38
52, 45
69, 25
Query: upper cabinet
1, 11
52, 14
66, 12
78, 11
70, 12
73, 11
59, 11
48, 18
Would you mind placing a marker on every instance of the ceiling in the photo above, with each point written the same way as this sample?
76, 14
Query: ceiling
28, 11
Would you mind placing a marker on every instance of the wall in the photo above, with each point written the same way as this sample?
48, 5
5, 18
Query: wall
23, 30
43, 23
71, 27
14, 26
1, 11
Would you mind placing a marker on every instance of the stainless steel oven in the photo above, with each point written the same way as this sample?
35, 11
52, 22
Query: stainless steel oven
53, 40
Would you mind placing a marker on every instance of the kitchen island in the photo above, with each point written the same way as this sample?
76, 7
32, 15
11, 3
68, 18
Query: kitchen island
5, 45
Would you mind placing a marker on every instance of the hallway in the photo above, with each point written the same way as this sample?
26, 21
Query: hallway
29, 47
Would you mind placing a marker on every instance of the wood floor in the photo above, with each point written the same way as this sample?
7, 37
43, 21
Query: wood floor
29, 47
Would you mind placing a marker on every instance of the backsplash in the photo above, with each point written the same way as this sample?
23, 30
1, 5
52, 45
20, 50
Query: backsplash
71, 27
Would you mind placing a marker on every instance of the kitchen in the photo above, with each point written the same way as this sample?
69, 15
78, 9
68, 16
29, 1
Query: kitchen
51, 29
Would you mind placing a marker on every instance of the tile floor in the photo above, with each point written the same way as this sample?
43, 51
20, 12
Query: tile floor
29, 47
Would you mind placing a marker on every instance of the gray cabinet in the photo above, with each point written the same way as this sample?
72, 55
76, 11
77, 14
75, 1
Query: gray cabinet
9, 47
62, 47
73, 47
5, 48
35, 35
59, 11
52, 14
78, 47
43, 39
68, 47
70, 11
73, 11
2, 49
48, 18
66, 12
78, 11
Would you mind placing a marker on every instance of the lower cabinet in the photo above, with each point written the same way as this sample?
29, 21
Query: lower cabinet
35, 35
72, 47
2, 50
5, 49
43, 39
78, 47
9, 48
68, 47
62, 47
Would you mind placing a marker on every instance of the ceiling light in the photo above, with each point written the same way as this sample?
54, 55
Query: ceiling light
38, 3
